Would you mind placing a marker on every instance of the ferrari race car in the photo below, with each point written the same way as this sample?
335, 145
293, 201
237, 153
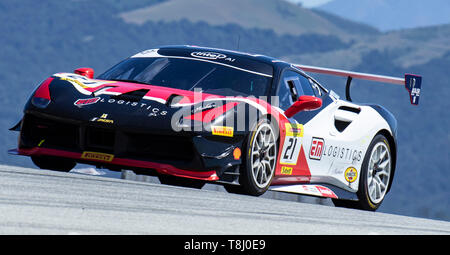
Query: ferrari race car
192, 115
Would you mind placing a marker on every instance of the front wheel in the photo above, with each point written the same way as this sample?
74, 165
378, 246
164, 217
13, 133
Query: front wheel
182, 182
375, 176
53, 163
260, 161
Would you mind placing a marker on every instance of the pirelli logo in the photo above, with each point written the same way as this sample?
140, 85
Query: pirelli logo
90, 155
222, 131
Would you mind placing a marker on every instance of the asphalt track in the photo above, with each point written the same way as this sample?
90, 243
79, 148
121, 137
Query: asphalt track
44, 202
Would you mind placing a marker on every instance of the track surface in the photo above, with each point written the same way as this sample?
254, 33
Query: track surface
43, 202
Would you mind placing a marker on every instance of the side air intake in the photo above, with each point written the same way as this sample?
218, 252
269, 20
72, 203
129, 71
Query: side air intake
344, 116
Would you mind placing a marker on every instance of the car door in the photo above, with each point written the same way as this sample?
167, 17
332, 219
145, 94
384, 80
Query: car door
292, 158
329, 150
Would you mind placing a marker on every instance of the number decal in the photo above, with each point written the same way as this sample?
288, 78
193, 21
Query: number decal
292, 144
290, 149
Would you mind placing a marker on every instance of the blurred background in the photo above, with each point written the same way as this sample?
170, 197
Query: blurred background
389, 37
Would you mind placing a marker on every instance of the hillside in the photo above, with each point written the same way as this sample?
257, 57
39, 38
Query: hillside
44, 37
405, 48
389, 15
280, 16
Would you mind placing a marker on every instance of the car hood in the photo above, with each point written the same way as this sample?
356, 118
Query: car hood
124, 104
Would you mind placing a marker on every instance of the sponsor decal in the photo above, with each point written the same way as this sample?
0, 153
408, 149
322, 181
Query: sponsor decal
326, 192
413, 83
202, 108
415, 93
103, 118
351, 174
286, 170
222, 131
97, 156
317, 147
313, 190
317, 190
294, 129
211, 56
86, 101
152, 111
343, 153
292, 144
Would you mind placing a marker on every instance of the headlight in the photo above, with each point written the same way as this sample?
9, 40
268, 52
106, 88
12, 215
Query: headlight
41, 97
40, 102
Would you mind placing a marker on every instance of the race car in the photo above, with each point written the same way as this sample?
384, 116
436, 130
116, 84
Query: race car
192, 115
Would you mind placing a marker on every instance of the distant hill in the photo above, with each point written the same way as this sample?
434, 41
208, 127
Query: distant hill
280, 16
404, 48
389, 15
48, 36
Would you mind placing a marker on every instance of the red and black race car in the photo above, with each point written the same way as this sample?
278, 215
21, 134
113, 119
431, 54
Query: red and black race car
191, 115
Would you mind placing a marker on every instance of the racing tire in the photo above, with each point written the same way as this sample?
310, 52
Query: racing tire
259, 164
53, 163
181, 182
235, 189
375, 176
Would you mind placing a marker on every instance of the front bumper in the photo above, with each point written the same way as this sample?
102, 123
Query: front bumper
192, 155
114, 161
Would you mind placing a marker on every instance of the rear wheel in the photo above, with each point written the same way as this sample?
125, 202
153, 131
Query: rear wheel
182, 182
53, 163
375, 176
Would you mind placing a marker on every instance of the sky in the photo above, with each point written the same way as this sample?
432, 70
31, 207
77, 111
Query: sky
310, 3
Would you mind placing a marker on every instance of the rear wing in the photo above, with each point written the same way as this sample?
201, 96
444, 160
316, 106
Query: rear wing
412, 82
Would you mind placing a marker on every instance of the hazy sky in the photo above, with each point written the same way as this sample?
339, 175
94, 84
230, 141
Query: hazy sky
310, 3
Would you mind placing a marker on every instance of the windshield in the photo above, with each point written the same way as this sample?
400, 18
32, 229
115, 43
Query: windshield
188, 74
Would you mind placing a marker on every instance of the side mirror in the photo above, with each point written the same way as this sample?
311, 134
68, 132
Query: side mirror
304, 103
85, 71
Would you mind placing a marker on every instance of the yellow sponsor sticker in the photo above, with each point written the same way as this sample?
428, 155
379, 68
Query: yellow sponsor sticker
351, 174
286, 170
294, 130
222, 131
77, 82
91, 155
105, 121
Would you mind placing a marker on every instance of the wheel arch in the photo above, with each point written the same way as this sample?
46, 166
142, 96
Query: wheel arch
393, 146
275, 123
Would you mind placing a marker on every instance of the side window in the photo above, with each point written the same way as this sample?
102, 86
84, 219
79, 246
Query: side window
292, 86
288, 90
316, 88
306, 85
285, 95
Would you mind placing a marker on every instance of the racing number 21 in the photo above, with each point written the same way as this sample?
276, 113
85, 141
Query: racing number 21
291, 149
